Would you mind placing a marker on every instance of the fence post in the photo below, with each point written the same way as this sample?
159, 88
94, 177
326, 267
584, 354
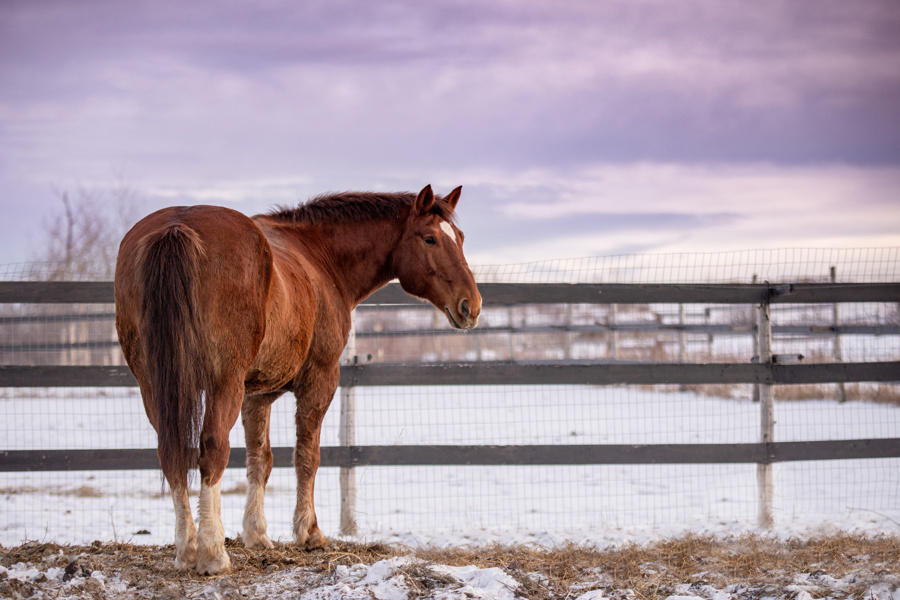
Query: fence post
755, 337
347, 437
838, 351
682, 341
764, 478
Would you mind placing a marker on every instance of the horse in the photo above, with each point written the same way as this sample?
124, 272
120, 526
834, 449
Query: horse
219, 314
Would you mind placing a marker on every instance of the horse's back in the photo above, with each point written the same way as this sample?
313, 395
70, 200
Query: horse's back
230, 278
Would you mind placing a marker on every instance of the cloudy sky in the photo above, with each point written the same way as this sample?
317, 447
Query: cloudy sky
576, 128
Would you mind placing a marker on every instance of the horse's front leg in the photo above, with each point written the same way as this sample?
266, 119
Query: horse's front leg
312, 404
255, 417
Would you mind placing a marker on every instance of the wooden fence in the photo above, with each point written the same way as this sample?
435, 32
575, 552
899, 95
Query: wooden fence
765, 371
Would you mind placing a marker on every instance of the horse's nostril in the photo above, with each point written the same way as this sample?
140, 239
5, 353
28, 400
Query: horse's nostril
464, 309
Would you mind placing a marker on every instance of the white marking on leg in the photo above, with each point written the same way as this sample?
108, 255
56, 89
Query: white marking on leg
212, 557
254, 533
185, 531
448, 229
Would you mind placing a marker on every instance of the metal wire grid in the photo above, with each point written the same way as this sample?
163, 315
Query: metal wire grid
424, 502
858, 265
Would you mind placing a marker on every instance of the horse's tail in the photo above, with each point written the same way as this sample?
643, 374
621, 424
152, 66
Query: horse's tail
176, 368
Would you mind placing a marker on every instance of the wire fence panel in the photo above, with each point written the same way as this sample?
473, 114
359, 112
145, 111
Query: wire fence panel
499, 502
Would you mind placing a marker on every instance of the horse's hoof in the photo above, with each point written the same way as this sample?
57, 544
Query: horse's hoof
187, 560
184, 565
315, 540
215, 565
258, 542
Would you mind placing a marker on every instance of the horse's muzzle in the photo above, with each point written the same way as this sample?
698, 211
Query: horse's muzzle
465, 317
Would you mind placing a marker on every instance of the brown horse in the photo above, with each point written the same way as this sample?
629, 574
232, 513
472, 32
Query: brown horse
220, 314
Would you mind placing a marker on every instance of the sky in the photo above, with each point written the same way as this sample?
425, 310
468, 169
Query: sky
576, 128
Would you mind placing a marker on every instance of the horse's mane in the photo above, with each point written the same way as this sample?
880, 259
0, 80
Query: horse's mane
357, 206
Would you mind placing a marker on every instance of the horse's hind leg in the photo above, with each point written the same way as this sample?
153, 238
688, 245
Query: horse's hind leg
255, 415
185, 531
222, 409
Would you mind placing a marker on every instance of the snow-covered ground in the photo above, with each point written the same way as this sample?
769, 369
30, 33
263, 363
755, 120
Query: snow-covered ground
72, 573
384, 580
451, 505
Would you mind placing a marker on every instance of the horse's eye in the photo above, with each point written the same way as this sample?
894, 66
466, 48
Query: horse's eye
430, 241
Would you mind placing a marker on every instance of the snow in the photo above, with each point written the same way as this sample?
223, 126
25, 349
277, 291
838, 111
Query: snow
417, 506
426, 506
387, 580
383, 580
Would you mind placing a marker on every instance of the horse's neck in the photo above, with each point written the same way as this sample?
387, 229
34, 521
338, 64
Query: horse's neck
356, 256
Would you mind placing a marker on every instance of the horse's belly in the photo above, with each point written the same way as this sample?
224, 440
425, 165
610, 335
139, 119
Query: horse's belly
273, 373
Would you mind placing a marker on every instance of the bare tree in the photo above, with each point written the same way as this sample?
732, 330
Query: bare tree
82, 240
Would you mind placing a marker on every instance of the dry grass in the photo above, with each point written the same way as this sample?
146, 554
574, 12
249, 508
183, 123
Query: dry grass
654, 571
84, 491
881, 393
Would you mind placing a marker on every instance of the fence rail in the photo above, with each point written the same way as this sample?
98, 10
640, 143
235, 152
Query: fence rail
512, 373
417, 455
765, 372
502, 294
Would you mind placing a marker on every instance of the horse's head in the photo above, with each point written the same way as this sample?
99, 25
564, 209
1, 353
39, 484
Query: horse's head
429, 260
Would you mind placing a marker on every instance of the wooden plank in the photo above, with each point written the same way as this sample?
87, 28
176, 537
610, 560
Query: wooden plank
835, 372
559, 293
508, 294
827, 293
359, 456
57, 347
51, 292
502, 294
56, 376
543, 455
78, 460
68, 318
556, 373
504, 373
595, 373
835, 450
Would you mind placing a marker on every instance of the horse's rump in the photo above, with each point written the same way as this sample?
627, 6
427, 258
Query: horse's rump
191, 289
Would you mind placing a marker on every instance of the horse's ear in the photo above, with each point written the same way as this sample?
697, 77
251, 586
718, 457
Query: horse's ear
453, 197
425, 200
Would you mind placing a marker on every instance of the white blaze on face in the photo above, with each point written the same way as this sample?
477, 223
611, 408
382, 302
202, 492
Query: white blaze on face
448, 229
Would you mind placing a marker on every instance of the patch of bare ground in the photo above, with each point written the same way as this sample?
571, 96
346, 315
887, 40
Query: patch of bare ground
749, 566
659, 570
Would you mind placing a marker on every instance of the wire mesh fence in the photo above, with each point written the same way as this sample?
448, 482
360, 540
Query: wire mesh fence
432, 503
